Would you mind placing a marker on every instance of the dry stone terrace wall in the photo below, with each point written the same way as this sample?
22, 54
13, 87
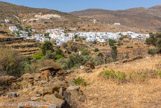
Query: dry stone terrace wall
24, 46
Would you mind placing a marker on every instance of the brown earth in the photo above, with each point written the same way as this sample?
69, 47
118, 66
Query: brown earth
104, 93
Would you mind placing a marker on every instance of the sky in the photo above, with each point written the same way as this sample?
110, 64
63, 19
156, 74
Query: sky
76, 5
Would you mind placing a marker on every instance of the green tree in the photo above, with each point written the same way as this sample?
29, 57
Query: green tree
114, 52
11, 62
47, 46
38, 55
96, 49
158, 45
111, 42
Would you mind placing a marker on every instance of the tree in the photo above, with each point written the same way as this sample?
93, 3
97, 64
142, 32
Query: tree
96, 49
11, 62
47, 46
46, 35
155, 39
111, 42
114, 52
158, 45
38, 55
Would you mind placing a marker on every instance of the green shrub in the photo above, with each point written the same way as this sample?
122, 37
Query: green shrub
155, 39
158, 45
59, 51
111, 74
74, 60
119, 43
85, 52
38, 55
141, 76
11, 62
129, 47
74, 68
80, 81
100, 55
114, 52
111, 42
58, 57
96, 49
159, 73
47, 46
152, 51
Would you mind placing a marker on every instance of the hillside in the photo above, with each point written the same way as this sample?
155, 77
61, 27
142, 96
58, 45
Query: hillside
35, 17
144, 18
104, 93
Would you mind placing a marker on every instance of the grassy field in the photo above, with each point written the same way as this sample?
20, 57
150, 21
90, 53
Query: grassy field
106, 93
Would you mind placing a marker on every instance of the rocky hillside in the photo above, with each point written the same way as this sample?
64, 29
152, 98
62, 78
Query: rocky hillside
144, 18
38, 18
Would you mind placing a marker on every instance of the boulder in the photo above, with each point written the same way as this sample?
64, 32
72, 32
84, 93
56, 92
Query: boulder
50, 90
32, 104
12, 94
7, 80
73, 88
35, 98
74, 95
60, 103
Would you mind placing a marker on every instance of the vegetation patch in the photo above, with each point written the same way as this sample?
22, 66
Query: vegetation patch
111, 74
80, 81
140, 76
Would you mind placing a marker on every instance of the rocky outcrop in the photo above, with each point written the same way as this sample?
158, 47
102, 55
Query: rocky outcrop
55, 93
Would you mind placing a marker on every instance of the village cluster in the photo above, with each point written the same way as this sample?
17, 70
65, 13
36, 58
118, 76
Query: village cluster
61, 37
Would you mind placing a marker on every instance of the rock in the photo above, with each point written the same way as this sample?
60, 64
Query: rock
59, 83
32, 104
12, 94
82, 67
35, 98
50, 90
73, 88
7, 80
57, 95
52, 99
74, 95
28, 76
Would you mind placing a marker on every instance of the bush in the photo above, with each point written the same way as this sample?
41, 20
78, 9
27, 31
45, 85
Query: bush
80, 81
155, 39
47, 46
100, 55
158, 45
152, 51
96, 49
58, 57
38, 55
11, 62
119, 43
111, 74
59, 51
114, 52
85, 52
159, 73
129, 47
111, 42
74, 60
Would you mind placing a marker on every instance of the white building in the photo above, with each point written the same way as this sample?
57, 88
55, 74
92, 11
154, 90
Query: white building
13, 28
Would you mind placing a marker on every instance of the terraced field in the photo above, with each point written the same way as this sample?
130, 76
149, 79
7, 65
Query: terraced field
25, 47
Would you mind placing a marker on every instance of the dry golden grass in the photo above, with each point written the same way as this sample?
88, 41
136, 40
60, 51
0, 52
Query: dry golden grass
102, 93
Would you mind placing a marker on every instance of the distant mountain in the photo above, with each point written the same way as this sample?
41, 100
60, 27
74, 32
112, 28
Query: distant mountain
21, 14
143, 18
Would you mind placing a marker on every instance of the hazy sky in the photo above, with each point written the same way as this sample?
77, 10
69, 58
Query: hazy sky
75, 5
